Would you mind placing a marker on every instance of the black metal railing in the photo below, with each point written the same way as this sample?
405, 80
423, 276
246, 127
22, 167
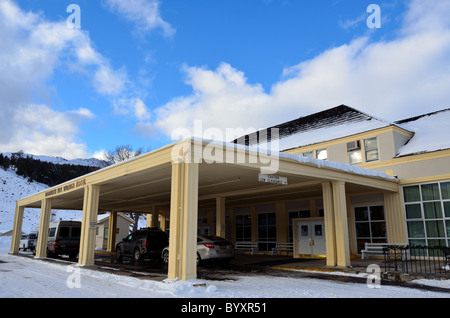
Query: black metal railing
417, 260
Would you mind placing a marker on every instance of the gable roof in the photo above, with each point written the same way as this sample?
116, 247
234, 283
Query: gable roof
430, 133
429, 130
333, 123
104, 217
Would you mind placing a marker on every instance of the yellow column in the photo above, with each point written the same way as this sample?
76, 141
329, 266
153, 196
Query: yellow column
341, 224
395, 217
183, 221
351, 230
220, 216
282, 222
254, 224
153, 217
330, 236
112, 231
155, 213
148, 221
17, 229
163, 222
89, 225
44, 222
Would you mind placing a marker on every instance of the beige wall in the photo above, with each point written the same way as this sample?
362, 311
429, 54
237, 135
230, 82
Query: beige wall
424, 167
123, 227
414, 168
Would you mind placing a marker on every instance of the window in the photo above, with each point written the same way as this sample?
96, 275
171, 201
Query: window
354, 157
267, 233
243, 228
64, 231
76, 231
309, 154
371, 149
52, 231
296, 215
321, 154
427, 210
370, 225
354, 152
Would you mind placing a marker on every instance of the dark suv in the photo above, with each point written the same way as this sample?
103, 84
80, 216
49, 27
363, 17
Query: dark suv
146, 242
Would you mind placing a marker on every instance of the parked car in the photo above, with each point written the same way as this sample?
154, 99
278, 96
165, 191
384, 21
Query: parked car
28, 241
64, 238
143, 243
209, 248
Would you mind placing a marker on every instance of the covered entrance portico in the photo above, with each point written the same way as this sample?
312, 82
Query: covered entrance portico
182, 178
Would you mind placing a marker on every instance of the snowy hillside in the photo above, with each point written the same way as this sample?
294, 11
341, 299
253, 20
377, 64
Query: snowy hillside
13, 188
92, 162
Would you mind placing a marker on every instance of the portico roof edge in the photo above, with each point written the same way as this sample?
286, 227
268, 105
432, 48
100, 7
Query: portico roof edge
336, 166
301, 159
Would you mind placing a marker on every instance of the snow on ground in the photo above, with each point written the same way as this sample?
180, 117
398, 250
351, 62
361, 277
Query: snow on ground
26, 277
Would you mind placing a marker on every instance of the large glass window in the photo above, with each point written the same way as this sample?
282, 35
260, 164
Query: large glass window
427, 210
370, 225
267, 232
243, 228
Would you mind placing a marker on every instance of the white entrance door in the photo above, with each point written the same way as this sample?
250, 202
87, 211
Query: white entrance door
304, 238
311, 238
318, 236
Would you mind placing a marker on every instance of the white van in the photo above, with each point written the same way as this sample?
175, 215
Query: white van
28, 241
64, 238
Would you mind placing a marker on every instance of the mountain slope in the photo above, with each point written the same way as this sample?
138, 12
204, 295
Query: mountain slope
13, 188
91, 162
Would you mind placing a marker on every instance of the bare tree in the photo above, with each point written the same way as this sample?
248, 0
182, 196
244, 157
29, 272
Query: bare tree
123, 153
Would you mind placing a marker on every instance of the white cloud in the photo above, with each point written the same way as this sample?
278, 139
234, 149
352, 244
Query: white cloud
31, 49
100, 154
134, 106
82, 113
348, 24
407, 76
41, 130
144, 14
221, 98
108, 81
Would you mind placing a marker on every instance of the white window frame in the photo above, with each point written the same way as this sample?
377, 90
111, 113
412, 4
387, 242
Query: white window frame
369, 220
423, 219
366, 150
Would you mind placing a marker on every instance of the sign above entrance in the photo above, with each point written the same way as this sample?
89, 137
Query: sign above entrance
270, 178
67, 187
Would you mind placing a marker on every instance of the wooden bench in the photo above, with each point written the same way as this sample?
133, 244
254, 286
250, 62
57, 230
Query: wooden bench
377, 248
247, 246
287, 247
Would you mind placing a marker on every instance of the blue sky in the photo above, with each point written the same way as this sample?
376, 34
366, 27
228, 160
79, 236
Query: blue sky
137, 70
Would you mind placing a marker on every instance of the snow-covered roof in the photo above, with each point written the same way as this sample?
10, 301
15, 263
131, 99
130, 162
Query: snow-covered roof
333, 123
429, 130
431, 133
103, 217
300, 159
